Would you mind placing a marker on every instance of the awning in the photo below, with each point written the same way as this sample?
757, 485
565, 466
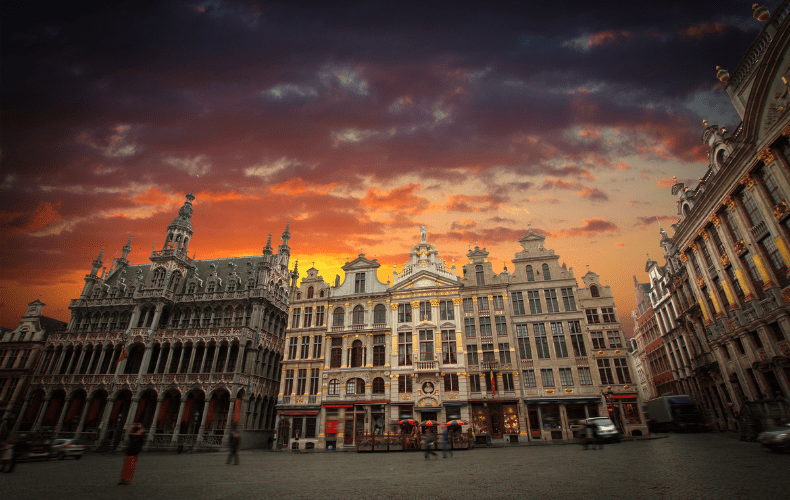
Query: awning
301, 412
464, 403
632, 397
377, 402
563, 401
338, 406
426, 410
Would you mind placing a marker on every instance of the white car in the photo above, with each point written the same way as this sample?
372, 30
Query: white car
778, 440
63, 448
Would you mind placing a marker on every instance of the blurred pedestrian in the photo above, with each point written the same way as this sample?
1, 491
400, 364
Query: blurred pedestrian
584, 434
7, 455
135, 446
235, 442
597, 439
19, 451
430, 439
446, 443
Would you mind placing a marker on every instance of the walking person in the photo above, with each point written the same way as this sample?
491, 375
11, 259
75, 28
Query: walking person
235, 442
136, 440
18, 452
446, 443
429, 440
584, 434
8, 454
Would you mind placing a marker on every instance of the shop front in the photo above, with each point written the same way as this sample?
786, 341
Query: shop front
557, 419
624, 410
496, 421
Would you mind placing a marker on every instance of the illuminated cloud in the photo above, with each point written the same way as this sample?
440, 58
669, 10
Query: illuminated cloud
345, 78
704, 29
113, 143
284, 90
607, 37
471, 203
402, 199
593, 194
645, 221
591, 227
270, 169
194, 166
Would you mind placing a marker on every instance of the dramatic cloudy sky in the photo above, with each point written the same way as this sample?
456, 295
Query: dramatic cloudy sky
356, 122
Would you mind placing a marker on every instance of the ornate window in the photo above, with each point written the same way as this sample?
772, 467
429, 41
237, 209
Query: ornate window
379, 314
355, 386
310, 293
338, 317
378, 385
530, 274
356, 355
546, 272
480, 275
358, 316
333, 388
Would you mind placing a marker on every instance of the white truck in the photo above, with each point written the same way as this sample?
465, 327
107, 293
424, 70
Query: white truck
676, 413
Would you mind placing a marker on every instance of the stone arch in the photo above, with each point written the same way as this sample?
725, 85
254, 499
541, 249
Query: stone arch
193, 411
134, 358
57, 399
71, 419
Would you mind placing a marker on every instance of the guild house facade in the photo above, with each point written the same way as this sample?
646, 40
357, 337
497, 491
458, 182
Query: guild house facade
521, 356
189, 348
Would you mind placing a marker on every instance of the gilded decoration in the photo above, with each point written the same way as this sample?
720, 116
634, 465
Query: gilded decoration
740, 246
714, 219
693, 245
393, 306
725, 261
767, 156
435, 302
701, 282
684, 258
780, 210
747, 181
456, 301
704, 234
549, 391
415, 303
729, 203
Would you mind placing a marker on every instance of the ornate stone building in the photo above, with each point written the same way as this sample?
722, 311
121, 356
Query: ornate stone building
20, 350
519, 356
189, 348
728, 259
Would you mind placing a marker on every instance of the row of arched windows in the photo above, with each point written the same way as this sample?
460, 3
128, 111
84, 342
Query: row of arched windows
355, 387
310, 293
544, 269
358, 315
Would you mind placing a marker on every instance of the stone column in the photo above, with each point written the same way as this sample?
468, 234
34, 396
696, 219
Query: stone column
157, 315
42, 412
229, 425
88, 403
169, 359
202, 424
177, 426
66, 405
22, 412
227, 357
152, 429
191, 357
104, 423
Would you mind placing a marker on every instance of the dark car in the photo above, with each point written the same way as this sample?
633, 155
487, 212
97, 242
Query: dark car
40, 449
777, 440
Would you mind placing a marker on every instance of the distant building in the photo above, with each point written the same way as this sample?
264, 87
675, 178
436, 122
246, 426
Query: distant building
520, 356
725, 321
189, 348
20, 349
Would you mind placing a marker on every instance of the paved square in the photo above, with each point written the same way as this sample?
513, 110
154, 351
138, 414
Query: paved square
695, 466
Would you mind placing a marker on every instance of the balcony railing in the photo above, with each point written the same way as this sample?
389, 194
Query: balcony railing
424, 366
489, 365
759, 230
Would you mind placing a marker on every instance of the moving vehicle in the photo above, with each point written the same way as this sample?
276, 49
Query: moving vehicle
40, 449
676, 413
65, 448
778, 440
604, 429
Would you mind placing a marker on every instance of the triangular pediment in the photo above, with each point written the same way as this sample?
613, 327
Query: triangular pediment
361, 262
424, 279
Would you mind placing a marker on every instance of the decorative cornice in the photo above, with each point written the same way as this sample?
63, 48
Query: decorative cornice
714, 219
767, 156
747, 181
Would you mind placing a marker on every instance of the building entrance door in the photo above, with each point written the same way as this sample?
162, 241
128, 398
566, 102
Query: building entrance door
534, 423
496, 425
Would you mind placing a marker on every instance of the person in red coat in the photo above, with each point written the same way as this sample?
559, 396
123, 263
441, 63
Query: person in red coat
136, 440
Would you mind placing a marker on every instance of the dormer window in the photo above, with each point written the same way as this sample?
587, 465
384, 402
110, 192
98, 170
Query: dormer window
594, 291
359, 283
231, 286
210, 288
480, 275
310, 293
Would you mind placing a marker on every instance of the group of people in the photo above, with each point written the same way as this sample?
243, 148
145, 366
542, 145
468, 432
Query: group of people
589, 436
430, 439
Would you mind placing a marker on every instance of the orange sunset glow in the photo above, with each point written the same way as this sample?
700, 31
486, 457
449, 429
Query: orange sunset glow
356, 125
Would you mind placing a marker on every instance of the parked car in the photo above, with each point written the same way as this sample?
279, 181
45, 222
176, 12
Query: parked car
604, 429
40, 449
778, 440
64, 448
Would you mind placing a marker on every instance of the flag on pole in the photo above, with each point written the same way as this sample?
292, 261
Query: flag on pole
123, 355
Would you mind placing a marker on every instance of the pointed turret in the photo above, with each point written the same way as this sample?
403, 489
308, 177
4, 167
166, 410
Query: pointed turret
284, 251
179, 231
267, 250
97, 263
127, 248
295, 274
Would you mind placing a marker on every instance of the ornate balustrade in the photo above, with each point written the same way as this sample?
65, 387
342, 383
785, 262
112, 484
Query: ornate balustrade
424, 366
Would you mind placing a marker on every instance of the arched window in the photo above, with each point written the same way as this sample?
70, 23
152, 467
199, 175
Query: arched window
175, 279
131, 292
546, 272
355, 386
96, 292
358, 317
594, 291
333, 389
356, 354
191, 288
321, 293
158, 280
378, 385
310, 293
232, 285
298, 295
379, 314
210, 287
530, 274
338, 317
113, 293
479, 274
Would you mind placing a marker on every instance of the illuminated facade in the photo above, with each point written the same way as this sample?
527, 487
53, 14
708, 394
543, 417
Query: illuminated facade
189, 348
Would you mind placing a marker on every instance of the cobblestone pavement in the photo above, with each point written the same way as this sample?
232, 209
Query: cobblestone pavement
686, 466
